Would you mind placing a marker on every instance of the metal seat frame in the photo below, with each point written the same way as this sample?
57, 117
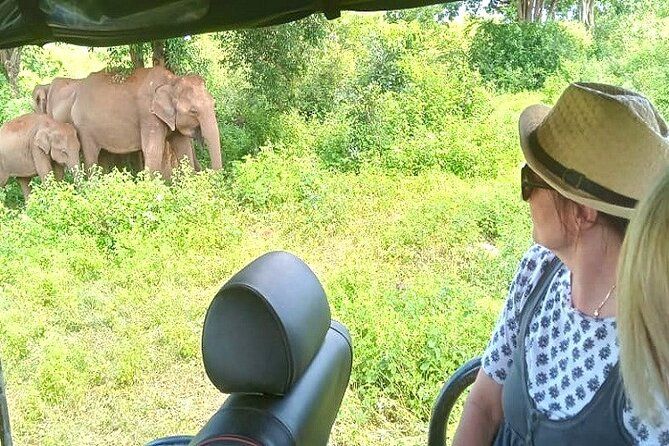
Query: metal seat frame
449, 394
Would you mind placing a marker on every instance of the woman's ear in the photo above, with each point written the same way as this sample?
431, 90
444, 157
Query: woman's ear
586, 217
163, 106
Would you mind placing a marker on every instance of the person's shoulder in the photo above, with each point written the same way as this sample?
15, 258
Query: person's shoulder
535, 260
530, 268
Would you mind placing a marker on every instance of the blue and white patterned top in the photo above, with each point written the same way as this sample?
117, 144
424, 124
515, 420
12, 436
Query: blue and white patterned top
569, 354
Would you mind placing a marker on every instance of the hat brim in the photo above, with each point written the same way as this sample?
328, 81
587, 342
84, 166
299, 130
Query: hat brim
529, 120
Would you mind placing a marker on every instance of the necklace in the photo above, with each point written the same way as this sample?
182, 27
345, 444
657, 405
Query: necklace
596, 313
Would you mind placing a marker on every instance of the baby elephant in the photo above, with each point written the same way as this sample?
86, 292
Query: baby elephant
36, 144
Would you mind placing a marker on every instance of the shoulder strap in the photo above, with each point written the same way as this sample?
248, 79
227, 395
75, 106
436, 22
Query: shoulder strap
538, 294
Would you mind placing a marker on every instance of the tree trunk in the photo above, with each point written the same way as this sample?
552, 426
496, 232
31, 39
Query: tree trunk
530, 10
538, 10
588, 13
551, 10
158, 48
136, 56
523, 7
11, 66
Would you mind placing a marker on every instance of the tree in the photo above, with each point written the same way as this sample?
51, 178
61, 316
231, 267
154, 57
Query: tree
587, 13
11, 66
426, 14
178, 55
158, 51
136, 55
274, 58
533, 11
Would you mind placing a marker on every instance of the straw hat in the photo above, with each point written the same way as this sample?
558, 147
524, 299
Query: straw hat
600, 146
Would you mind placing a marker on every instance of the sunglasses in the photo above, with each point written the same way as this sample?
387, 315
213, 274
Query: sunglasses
530, 181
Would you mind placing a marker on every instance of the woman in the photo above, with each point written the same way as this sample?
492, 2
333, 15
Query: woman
550, 371
643, 306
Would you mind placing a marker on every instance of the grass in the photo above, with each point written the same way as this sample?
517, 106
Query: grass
104, 285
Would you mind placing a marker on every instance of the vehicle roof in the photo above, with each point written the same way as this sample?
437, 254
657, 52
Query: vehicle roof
119, 22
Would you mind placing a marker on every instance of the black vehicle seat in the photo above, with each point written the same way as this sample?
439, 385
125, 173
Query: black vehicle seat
268, 340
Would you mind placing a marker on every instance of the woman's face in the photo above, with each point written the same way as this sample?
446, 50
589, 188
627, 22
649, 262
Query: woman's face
547, 227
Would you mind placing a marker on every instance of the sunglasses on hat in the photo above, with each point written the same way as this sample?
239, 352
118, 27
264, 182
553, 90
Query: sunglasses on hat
530, 181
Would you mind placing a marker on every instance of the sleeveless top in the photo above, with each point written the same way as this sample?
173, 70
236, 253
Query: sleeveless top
600, 422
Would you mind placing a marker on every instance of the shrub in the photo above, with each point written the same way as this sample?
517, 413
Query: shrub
520, 56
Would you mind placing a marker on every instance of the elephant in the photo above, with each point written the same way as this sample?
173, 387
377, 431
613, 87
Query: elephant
40, 93
60, 98
56, 100
152, 110
36, 144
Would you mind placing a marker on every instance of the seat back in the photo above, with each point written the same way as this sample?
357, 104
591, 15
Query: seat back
268, 341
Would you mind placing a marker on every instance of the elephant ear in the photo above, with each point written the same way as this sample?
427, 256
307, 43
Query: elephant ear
163, 106
39, 98
42, 141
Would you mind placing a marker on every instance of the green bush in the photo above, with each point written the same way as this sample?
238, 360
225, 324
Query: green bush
638, 59
520, 56
11, 105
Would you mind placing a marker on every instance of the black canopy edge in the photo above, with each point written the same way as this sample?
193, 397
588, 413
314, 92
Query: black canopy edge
31, 27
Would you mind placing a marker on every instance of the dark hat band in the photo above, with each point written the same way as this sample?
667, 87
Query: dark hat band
576, 179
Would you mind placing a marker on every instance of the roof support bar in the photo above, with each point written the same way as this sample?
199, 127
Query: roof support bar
5, 432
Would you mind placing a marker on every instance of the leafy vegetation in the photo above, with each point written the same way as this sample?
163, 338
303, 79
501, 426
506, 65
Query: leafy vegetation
381, 149
520, 56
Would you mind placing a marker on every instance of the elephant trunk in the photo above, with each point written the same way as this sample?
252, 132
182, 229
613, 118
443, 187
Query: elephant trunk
72, 165
212, 139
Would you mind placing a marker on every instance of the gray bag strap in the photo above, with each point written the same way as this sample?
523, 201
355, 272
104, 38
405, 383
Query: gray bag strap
537, 294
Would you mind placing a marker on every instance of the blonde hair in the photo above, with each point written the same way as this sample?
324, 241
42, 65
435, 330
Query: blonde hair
643, 304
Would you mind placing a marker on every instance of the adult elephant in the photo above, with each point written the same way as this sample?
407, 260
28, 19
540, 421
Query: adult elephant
147, 111
40, 93
60, 98
56, 100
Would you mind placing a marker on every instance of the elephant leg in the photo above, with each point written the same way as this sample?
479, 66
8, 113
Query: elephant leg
153, 148
25, 186
182, 146
169, 159
91, 151
58, 171
43, 165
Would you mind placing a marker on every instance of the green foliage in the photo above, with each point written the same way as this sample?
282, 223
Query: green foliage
12, 106
383, 51
394, 113
425, 15
184, 55
636, 50
274, 58
119, 60
520, 56
40, 62
368, 146
105, 280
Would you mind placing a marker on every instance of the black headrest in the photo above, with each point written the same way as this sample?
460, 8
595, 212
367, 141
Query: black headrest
264, 326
